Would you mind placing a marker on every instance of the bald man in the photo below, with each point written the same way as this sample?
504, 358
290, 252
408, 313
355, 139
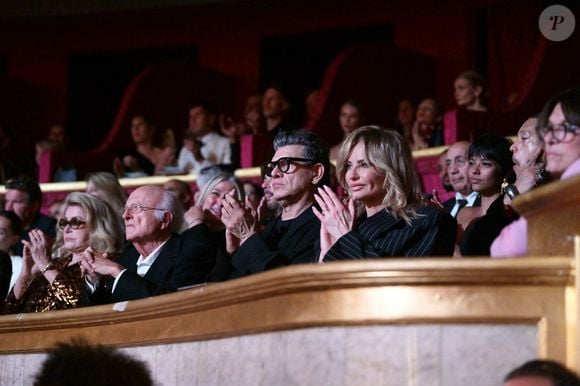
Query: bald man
458, 171
157, 260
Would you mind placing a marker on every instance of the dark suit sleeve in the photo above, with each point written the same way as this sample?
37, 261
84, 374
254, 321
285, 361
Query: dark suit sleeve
298, 246
186, 259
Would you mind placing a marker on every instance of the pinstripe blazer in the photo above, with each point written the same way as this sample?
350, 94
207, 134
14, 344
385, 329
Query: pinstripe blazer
382, 235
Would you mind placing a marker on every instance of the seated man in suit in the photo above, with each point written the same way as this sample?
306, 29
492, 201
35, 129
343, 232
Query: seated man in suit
24, 197
458, 171
298, 167
158, 260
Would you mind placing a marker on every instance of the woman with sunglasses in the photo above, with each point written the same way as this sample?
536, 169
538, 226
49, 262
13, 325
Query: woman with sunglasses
559, 127
89, 225
375, 167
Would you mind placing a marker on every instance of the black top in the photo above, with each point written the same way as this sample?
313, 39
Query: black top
5, 276
281, 243
481, 232
432, 233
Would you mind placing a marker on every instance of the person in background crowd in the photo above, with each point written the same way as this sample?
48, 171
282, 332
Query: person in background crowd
559, 127
89, 225
78, 363
490, 163
10, 230
376, 168
427, 131
468, 90
442, 171
253, 192
351, 118
457, 165
146, 158
158, 260
276, 108
405, 118
24, 197
181, 190
208, 210
541, 372
202, 146
299, 165
107, 187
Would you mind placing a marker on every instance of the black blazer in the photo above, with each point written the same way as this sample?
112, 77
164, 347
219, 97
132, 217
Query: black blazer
449, 204
184, 260
296, 246
382, 235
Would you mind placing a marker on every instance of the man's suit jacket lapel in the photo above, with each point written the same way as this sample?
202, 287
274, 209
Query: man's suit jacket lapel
159, 269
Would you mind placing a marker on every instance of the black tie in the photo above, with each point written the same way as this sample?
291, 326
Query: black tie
461, 203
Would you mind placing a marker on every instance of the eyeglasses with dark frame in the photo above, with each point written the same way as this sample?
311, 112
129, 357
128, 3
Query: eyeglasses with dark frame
283, 164
138, 208
73, 222
559, 131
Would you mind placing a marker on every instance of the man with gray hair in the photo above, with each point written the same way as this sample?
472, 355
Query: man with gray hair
299, 166
158, 260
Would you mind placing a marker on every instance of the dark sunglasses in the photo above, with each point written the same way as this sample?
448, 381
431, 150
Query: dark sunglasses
75, 223
283, 164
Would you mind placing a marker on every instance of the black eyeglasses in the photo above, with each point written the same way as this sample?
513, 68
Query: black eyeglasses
283, 164
74, 222
559, 131
138, 208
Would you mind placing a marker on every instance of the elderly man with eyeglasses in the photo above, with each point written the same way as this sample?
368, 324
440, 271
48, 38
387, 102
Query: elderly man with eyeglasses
158, 260
299, 166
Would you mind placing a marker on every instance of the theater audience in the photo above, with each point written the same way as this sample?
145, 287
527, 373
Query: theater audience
10, 230
46, 283
202, 146
427, 130
541, 372
157, 260
253, 192
106, 186
351, 118
181, 190
405, 118
145, 158
559, 127
24, 197
208, 210
468, 90
299, 165
376, 168
442, 171
490, 163
276, 108
78, 363
457, 165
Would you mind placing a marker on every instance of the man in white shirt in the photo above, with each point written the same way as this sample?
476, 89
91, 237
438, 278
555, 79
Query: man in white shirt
202, 146
458, 170
158, 260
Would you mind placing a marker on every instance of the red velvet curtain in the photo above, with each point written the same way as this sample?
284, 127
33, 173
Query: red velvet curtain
515, 52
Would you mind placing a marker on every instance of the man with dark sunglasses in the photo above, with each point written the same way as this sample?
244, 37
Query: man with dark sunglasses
24, 197
300, 164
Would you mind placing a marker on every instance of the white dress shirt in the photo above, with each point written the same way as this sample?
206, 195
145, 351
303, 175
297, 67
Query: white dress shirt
471, 197
215, 150
143, 264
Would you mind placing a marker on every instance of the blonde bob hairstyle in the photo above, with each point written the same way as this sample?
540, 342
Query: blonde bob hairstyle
103, 224
389, 154
109, 189
214, 181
